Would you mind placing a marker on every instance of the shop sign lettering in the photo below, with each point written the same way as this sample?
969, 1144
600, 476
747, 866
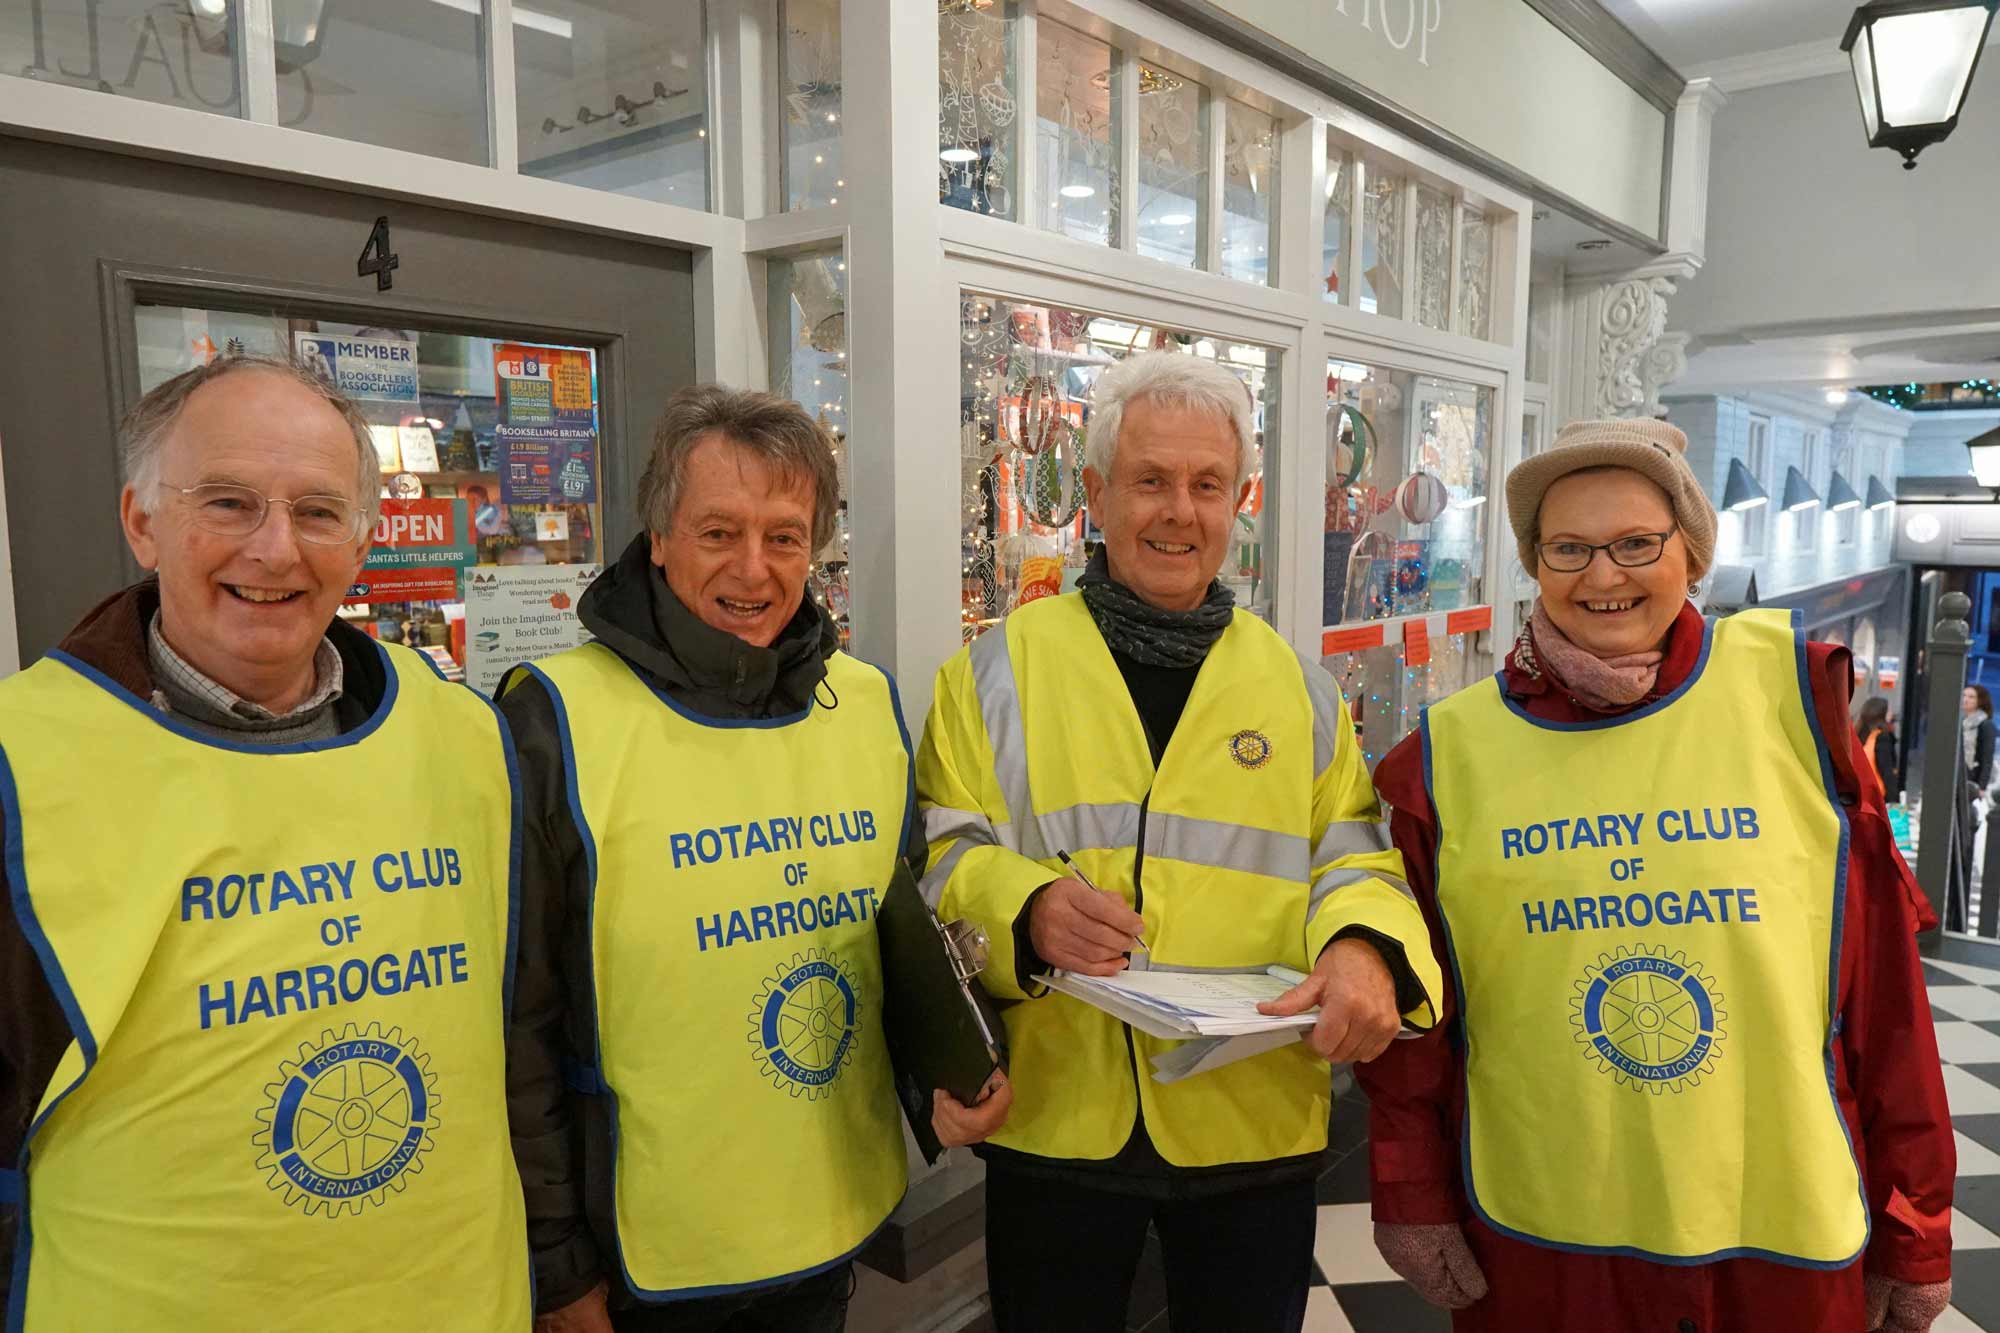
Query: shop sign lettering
1406, 25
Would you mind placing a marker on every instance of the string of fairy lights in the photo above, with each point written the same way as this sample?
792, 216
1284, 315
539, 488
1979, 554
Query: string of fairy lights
1932, 397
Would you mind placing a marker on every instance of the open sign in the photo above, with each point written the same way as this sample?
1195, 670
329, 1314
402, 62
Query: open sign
413, 534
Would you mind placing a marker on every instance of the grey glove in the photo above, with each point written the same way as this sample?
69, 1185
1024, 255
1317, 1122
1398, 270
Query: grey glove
1435, 1260
1905, 1307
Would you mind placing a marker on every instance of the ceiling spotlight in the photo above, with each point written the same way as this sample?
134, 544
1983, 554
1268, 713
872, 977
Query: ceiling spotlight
1835, 397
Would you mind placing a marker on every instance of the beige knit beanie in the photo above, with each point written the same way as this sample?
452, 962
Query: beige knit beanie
1651, 448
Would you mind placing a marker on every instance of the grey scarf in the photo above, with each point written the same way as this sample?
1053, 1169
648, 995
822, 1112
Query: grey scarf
1144, 632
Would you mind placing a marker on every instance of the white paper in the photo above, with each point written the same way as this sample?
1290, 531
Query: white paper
1186, 1004
552, 525
519, 613
1205, 1053
420, 450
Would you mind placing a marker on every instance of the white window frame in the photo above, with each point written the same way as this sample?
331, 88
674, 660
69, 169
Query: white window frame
1805, 523
1757, 458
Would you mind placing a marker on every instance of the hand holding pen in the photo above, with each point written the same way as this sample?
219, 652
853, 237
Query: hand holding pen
1078, 927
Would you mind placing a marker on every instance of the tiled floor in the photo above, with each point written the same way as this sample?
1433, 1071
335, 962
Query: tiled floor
1355, 1292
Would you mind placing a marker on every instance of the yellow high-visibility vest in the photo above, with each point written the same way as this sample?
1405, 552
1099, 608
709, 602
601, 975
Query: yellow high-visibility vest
1644, 914
736, 983
1257, 840
286, 968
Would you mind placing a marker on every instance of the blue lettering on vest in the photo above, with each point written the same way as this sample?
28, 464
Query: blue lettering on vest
755, 839
708, 846
1698, 908
761, 922
682, 846
1746, 822
1746, 905
1632, 906
198, 891
382, 883
739, 929
1560, 917
1510, 844
285, 890
788, 917
224, 1003
1611, 910
706, 927
1538, 915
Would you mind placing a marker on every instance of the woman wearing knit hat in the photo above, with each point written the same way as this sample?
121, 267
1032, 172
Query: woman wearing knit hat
1689, 1082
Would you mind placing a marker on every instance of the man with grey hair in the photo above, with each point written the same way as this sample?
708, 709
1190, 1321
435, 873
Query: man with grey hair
701, 1097
228, 1019
1141, 775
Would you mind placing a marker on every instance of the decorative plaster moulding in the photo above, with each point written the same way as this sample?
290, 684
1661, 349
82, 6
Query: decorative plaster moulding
1784, 64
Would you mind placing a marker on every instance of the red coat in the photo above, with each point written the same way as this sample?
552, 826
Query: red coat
1886, 1066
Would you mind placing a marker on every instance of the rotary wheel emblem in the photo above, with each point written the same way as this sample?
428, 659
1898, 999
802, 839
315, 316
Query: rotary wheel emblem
803, 1023
348, 1121
1650, 1019
1251, 749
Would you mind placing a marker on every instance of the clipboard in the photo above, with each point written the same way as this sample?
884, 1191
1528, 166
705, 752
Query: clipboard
943, 1030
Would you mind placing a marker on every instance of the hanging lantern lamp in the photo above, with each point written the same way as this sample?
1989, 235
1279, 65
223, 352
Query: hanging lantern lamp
1913, 61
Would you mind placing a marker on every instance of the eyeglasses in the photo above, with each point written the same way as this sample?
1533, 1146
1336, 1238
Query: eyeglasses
1633, 552
237, 511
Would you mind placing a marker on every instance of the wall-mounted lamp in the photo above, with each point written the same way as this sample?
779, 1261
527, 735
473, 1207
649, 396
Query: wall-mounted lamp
1878, 495
1840, 495
1742, 490
1798, 495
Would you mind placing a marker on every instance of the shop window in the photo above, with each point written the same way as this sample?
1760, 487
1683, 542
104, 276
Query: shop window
808, 358
396, 74
1755, 521
1805, 522
1405, 537
612, 95
810, 114
1433, 258
1173, 166
1339, 222
976, 105
1026, 374
179, 55
1076, 140
1380, 290
1249, 184
491, 472
1474, 316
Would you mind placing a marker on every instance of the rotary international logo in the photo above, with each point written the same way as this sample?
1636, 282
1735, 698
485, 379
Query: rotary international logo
803, 1023
1650, 1019
1251, 749
348, 1121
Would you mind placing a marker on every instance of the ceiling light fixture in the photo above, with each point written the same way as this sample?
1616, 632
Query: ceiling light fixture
1913, 61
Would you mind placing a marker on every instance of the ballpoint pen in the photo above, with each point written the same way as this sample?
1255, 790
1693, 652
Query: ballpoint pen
1139, 942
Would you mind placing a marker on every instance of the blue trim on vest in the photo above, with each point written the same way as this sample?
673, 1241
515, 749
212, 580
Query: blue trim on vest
1839, 920
79, 1026
1671, 697
909, 753
11, 1186
737, 1288
1458, 977
187, 732
515, 839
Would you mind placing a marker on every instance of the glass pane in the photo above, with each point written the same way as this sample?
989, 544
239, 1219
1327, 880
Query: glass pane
1544, 299
1433, 258
1386, 697
1333, 238
1173, 166
178, 54
490, 451
612, 94
1381, 291
812, 125
1249, 184
809, 363
1025, 382
976, 105
1475, 276
1406, 459
389, 73
1405, 533
1076, 153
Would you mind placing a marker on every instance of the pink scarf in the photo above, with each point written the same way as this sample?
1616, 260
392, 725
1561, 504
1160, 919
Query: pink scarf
1600, 683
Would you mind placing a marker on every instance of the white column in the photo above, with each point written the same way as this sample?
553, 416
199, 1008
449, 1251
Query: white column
902, 325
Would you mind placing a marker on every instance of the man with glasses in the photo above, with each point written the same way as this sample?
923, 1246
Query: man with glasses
255, 945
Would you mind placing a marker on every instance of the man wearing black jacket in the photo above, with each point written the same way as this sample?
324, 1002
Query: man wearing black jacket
716, 661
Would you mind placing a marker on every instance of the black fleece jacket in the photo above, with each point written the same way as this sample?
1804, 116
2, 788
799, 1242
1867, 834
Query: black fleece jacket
562, 1136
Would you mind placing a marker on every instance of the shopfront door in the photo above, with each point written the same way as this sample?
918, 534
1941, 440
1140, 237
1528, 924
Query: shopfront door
510, 373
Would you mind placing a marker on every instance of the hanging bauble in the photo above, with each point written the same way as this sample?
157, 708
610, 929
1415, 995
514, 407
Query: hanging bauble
1046, 424
1421, 497
1350, 443
1053, 494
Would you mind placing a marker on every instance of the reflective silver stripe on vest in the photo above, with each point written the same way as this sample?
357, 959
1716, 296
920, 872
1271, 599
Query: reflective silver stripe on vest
1000, 709
1342, 876
1351, 837
1083, 827
1209, 842
1325, 696
968, 829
